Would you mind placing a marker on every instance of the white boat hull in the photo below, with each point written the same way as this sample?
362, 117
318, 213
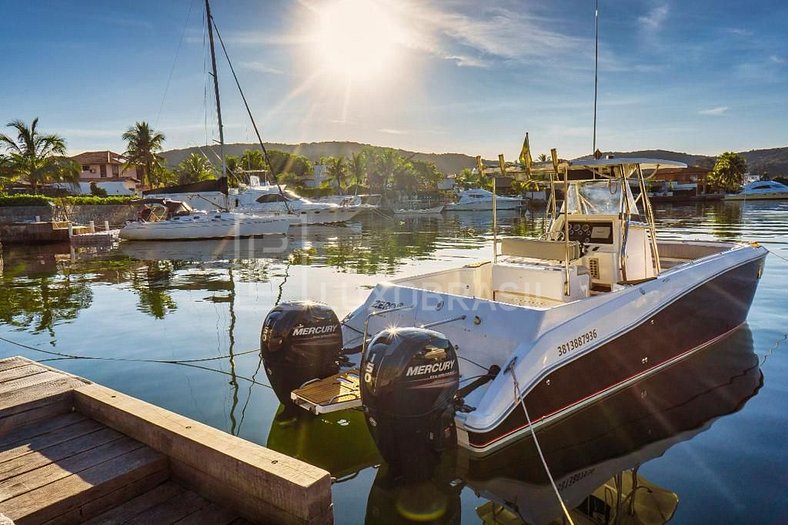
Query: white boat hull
206, 226
485, 205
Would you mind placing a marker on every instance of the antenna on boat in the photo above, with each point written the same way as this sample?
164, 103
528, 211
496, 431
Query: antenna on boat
596, 65
209, 21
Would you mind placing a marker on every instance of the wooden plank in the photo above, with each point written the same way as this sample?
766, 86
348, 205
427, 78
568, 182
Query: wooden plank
37, 387
20, 372
233, 467
49, 439
25, 433
106, 503
212, 514
55, 453
84, 460
74, 491
172, 510
13, 385
12, 362
134, 507
35, 409
252, 507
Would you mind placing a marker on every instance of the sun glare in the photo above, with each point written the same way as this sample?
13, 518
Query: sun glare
358, 39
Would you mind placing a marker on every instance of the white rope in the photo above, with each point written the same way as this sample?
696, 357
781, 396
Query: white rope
536, 442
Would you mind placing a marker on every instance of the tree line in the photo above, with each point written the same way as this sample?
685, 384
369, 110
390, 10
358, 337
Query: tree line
40, 158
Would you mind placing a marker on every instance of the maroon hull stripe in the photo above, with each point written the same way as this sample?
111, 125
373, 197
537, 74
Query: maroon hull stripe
693, 321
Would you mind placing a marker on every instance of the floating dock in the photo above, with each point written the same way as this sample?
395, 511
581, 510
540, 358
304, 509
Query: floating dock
72, 451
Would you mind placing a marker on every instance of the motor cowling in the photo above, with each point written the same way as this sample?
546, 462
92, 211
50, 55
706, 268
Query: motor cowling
299, 341
408, 380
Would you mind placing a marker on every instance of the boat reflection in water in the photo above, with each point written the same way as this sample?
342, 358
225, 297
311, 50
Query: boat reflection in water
611, 439
594, 454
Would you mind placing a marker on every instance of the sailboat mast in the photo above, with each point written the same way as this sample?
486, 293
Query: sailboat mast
209, 20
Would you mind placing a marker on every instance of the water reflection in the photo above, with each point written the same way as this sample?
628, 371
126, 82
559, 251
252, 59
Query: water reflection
618, 435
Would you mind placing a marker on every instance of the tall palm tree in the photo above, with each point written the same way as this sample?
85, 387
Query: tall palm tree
357, 167
336, 170
143, 146
35, 157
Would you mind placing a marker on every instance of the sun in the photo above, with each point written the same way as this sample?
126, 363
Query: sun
358, 39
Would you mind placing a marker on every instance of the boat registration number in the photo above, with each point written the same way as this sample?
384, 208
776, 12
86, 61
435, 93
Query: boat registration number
577, 342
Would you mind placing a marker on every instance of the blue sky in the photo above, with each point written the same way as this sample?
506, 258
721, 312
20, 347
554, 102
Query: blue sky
454, 76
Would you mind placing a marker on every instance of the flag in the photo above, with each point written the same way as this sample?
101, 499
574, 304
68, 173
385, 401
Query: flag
525, 154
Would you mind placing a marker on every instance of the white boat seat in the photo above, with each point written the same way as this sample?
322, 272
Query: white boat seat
539, 249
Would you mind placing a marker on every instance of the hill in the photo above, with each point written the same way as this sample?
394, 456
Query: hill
773, 161
445, 162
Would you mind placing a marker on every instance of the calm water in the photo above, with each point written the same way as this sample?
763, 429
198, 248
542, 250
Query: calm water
711, 430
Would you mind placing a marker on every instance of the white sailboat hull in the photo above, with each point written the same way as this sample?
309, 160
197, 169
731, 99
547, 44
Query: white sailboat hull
206, 226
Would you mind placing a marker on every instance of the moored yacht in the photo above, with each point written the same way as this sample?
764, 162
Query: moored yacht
270, 198
760, 190
477, 199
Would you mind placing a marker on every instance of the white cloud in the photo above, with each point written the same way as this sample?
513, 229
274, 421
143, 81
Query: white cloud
655, 18
495, 33
392, 131
260, 67
715, 112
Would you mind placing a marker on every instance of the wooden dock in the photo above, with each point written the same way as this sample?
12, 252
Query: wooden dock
72, 451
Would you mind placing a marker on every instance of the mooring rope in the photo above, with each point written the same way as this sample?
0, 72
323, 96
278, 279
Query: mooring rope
521, 399
125, 359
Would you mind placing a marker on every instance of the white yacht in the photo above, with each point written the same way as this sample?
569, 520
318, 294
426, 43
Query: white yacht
543, 329
269, 198
478, 199
760, 190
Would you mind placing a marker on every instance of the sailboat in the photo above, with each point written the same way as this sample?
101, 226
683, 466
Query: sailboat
167, 219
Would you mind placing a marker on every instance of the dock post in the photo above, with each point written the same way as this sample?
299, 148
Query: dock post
92, 227
70, 230
106, 226
38, 218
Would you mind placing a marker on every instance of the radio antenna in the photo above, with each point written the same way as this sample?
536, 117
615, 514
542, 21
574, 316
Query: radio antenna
596, 64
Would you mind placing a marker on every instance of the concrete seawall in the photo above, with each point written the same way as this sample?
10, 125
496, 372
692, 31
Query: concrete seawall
115, 214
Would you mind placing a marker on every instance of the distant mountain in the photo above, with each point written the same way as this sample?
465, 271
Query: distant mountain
445, 162
772, 161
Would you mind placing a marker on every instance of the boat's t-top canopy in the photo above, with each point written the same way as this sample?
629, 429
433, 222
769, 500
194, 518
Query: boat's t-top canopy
590, 169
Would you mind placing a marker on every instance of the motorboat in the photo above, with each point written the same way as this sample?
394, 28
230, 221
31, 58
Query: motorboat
760, 190
478, 199
271, 198
165, 219
544, 328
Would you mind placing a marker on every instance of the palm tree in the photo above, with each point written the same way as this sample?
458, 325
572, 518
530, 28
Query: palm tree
36, 157
542, 157
336, 170
143, 146
728, 171
357, 167
195, 168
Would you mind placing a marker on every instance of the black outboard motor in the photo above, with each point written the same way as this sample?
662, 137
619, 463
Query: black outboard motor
299, 341
408, 379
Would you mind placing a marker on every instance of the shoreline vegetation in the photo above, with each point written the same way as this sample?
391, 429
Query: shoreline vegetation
38, 159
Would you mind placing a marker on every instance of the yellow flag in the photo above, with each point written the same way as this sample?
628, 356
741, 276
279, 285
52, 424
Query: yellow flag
525, 154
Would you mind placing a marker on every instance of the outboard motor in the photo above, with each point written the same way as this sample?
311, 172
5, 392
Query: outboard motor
408, 379
299, 341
